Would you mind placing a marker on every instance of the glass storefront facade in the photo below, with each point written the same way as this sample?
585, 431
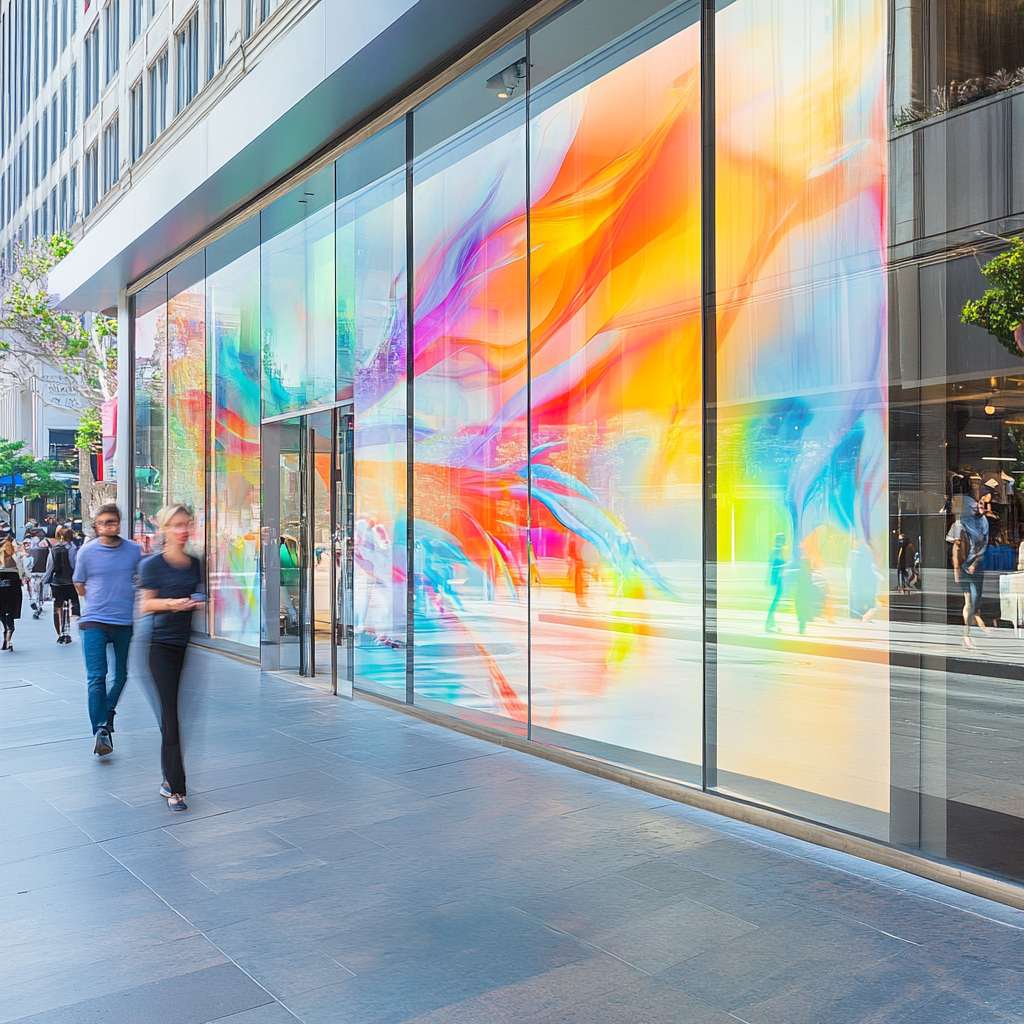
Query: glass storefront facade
616, 397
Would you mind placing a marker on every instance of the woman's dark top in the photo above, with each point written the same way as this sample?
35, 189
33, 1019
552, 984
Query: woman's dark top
156, 573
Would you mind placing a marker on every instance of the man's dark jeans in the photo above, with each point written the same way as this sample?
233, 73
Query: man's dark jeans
94, 646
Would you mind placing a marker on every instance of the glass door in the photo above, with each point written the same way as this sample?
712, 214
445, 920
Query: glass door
344, 552
319, 431
307, 547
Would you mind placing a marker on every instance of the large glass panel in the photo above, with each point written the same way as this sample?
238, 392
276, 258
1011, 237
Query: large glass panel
802, 658
371, 246
186, 392
957, 426
469, 234
297, 297
616, 384
233, 325
150, 333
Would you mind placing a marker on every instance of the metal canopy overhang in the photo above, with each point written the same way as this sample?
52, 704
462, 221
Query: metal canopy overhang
410, 51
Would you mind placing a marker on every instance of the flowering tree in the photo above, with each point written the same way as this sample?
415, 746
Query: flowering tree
34, 335
33, 332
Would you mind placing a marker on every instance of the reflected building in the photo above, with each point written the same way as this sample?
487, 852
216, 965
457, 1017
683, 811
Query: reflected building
604, 385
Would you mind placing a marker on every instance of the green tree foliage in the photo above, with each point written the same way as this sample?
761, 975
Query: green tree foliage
89, 436
33, 331
22, 476
1001, 308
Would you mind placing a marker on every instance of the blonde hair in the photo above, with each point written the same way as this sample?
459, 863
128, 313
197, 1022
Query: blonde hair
168, 512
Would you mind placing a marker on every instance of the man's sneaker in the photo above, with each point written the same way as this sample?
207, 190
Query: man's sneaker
103, 744
165, 790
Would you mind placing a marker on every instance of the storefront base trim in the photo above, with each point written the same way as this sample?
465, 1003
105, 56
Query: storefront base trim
972, 882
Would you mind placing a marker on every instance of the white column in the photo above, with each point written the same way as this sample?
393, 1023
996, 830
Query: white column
124, 460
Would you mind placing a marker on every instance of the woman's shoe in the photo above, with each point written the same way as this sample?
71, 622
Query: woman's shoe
7, 640
176, 802
165, 791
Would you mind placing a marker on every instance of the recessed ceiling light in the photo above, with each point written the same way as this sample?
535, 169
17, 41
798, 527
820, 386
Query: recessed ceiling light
980, 435
998, 458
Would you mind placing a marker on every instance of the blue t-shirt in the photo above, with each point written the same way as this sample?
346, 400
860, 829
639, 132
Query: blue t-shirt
109, 577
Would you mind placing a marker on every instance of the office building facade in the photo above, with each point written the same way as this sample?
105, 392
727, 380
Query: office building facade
599, 378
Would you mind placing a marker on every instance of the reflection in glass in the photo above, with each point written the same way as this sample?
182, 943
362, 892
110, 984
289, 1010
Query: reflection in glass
469, 207
372, 299
801, 156
232, 318
297, 297
150, 408
616, 387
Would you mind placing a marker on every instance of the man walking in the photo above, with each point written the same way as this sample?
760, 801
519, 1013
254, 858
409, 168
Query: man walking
105, 576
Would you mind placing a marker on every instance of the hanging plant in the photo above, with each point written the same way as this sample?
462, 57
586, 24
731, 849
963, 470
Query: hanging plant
1001, 309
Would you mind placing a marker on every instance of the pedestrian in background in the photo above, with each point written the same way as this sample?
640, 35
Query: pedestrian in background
37, 555
171, 583
60, 577
12, 576
104, 575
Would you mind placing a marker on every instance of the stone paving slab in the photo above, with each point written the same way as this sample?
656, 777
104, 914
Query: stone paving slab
341, 861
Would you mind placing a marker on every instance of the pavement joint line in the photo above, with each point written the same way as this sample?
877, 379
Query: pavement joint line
580, 940
202, 932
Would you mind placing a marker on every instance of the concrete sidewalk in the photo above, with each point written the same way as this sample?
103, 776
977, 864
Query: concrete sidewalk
343, 862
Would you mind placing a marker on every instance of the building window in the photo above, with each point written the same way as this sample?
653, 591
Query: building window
42, 40
112, 35
73, 196
111, 161
53, 211
158, 96
74, 16
35, 154
138, 19
54, 127
44, 143
215, 37
136, 119
54, 34
63, 115
63, 24
187, 52
64, 203
73, 102
91, 52
91, 172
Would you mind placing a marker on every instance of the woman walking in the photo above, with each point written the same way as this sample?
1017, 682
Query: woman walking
171, 583
59, 575
12, 576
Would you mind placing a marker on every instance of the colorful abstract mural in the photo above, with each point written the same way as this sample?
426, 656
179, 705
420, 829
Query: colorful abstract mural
616, 405
372, 369
470, 297
802, 449
186, 395
232, 318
